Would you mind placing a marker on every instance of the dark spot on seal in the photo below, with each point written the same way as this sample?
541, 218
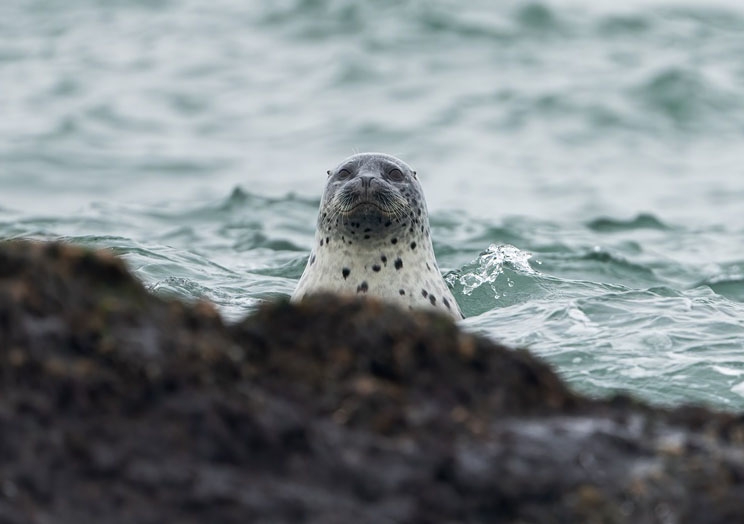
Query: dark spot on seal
367, 230
363, 287
402, 292
398, 263
366, 237
312, 260
433, 300
387, 224
413, 245
345, 272
321, 242
427, 267
446, 303
384, 259
394, 241
375, 268
424, 292
328, 240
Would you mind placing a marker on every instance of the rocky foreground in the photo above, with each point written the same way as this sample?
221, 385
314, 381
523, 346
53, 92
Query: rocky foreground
117, 406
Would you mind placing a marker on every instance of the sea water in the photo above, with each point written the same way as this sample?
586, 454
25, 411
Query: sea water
583, 161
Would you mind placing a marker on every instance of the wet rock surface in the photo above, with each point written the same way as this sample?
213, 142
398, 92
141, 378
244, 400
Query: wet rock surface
119, 406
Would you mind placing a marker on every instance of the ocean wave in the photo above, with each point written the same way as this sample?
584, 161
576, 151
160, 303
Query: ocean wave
641, 221
729, 287
685, 96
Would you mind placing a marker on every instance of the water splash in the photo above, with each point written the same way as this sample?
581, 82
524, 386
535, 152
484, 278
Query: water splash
490, 265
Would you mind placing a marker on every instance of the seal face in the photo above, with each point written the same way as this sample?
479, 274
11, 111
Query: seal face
373, 237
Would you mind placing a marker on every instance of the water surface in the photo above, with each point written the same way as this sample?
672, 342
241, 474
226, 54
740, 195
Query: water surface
582, 162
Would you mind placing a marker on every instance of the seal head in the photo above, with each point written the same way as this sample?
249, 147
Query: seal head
373, 237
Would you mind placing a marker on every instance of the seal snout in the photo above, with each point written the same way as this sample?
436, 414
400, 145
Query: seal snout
368, 194
370, 185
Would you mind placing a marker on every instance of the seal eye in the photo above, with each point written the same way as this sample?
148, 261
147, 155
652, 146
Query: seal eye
343, 174
396, 175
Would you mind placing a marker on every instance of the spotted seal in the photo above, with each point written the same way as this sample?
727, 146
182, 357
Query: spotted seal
373, 237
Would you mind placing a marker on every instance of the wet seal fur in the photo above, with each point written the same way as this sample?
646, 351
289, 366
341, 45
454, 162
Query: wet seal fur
373, 237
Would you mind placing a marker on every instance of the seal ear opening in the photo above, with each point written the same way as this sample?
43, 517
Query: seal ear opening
329, 172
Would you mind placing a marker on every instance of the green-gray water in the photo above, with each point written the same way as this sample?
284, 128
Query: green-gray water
582, 162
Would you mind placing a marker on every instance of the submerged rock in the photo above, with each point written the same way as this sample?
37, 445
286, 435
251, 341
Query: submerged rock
119, 406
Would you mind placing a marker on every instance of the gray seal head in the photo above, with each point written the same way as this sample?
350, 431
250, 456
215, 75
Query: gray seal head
373, 237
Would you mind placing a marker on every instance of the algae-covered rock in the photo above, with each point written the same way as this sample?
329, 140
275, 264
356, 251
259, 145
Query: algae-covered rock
119, 406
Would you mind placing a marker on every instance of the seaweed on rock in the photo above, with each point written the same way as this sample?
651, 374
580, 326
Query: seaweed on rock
119, 406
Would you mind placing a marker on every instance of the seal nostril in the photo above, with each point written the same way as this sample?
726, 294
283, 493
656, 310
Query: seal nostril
366, 181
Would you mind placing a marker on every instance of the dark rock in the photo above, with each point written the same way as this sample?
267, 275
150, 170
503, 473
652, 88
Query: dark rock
118, 406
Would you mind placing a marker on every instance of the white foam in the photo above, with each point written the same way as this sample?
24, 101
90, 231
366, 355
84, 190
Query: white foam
490, 264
